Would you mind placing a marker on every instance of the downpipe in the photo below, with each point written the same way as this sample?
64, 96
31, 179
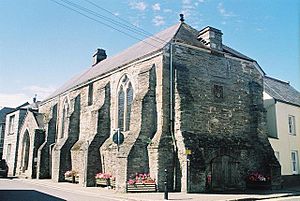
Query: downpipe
172, 115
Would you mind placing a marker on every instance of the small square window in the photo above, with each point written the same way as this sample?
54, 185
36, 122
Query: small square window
218, 91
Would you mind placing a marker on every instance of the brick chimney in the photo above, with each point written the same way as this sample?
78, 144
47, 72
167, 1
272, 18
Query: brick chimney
211, 37
98, 56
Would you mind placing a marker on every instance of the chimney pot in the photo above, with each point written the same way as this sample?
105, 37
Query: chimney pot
98, 56
181, 17
211, 37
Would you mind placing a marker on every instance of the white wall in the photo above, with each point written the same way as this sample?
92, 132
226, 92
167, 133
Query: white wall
285, 142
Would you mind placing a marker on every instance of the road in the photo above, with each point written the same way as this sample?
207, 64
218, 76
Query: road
292, 198
16, 190
47, 190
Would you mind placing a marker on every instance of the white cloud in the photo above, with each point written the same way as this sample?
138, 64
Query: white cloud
13, 100
187, 8
156, 7
41, 92
158, 20
141, 6
224, 12
167, 10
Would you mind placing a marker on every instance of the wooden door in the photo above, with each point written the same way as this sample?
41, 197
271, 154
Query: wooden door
224, 173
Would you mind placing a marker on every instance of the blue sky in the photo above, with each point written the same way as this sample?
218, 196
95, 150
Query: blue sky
43, 44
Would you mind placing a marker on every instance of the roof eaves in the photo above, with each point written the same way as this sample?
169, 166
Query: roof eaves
286, 102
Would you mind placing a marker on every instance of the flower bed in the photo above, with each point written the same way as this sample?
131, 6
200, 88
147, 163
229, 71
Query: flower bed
141, 183
256, 180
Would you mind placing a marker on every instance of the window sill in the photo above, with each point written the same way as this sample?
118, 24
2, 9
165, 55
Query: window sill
276, 138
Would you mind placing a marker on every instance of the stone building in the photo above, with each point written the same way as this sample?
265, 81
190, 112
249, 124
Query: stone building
184, 102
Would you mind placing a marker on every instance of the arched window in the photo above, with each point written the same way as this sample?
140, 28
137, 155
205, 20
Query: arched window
129, 98
125, 98
121, 108
64, 118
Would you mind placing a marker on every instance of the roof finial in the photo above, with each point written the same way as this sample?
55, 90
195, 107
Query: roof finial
181, 17
34, 99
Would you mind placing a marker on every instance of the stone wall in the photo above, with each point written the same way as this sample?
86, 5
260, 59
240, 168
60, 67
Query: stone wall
36, 136
44, 163
215, 123
61, 155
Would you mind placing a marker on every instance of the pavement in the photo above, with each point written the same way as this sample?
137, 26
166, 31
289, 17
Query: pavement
112, 194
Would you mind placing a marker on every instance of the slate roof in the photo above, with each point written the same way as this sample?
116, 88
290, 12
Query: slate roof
281, 91
39, 119
134, 52
180, 32
3, 113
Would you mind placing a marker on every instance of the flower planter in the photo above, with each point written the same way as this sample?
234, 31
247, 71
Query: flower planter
141, 187
72, 179
105, 183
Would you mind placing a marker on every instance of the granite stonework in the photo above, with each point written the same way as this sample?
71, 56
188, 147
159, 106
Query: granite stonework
196, 112
31, 138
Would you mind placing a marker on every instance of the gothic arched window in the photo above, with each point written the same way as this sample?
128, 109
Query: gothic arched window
125, 98
121, 102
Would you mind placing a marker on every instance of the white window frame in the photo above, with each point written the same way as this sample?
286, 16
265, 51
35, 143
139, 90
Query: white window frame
291, 125
294, 162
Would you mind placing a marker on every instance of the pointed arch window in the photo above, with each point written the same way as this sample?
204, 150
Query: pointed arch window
64, 118
125, 99
121, 108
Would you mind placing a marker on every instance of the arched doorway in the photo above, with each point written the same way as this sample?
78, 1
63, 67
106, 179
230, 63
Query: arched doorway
25, 151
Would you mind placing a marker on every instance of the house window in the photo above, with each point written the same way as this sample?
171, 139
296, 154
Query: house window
218, 91
90, 94
125, 98
11, 125
8, 152
294, 160
292, 126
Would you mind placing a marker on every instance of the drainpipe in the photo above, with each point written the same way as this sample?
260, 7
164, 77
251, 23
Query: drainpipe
172, 114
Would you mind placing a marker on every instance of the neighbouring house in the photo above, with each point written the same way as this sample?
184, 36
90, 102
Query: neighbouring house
282, 103
182, 100
14, 122
3, 113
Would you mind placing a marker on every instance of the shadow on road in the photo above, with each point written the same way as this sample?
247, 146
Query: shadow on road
26, 195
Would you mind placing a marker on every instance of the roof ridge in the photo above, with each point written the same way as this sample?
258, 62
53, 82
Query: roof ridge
277, 79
